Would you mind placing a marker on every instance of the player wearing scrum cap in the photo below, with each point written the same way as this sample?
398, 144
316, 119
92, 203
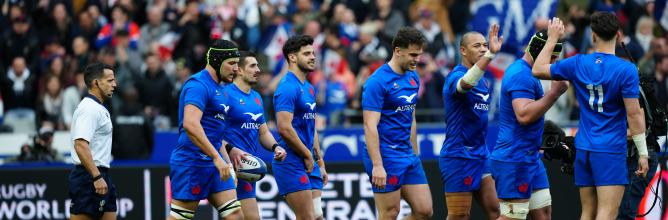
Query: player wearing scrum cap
198, 170
519, 174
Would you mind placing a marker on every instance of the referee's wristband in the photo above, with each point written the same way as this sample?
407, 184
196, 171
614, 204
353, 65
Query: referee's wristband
228, 148
99, 176
641, 144
273, 147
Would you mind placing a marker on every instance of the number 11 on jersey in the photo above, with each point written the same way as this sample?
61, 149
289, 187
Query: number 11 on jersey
594, 91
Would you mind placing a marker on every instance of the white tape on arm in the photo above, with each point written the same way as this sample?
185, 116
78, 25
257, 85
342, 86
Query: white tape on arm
471, 77
641, 144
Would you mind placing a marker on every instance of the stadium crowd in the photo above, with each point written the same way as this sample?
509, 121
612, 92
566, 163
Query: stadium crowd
154, 46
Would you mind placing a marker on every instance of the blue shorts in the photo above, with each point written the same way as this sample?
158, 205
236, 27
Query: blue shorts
462, 174
83, 196
600, 169
245, 190
196, 183
518, 180
400, 171
292, 177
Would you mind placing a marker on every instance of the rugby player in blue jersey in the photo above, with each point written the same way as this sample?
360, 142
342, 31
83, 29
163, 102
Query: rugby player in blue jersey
301, 176
463, 160
519, 173
607, 89
391, 157
197, 169
246, 128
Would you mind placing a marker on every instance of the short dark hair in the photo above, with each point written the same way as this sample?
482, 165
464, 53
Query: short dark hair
408, 36
605, 25
243, 56
295, 43
94, 71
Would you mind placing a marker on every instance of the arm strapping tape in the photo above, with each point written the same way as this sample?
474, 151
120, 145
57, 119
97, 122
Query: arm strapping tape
641, 144
472, 77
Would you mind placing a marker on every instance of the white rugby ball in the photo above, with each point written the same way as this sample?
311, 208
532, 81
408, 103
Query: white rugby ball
252, 169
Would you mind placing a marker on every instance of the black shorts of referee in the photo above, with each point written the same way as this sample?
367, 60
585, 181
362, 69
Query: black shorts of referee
83, 196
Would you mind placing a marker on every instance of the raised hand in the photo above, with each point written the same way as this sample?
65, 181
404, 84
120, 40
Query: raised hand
495, 41
555, 30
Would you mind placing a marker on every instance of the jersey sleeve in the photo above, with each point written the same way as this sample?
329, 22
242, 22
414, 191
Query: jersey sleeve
195, 94
521, 86
450, 86
373, 96
564, 69
85, 125
631, 85
284, 98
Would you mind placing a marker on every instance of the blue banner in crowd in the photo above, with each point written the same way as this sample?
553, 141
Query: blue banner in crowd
339, 144
516, 18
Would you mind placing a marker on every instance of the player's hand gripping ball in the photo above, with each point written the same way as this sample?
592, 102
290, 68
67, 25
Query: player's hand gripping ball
251, 169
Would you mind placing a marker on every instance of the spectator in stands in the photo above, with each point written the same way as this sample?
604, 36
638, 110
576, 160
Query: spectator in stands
18, 86
227, 26
195, 31
51, 103
643, 34
152, 87
59, 23
430, 94
388, 19
133, 131
120, 21
348, 29
128, 61
81, 55
153, 30
20, 41
71, 98
370, 50
332, 100
87, 27
427, 26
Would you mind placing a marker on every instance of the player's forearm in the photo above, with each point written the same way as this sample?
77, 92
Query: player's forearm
86, 158
317, 151
267, 139
473, 75
372, 144
197, 136
291, 138
416, 148
541, 66
636, 122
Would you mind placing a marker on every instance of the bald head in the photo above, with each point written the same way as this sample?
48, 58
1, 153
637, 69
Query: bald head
469, 36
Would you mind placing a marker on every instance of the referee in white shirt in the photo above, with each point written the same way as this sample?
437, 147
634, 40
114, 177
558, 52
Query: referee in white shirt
92, 193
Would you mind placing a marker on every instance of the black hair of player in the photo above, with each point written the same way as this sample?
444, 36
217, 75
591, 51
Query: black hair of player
94, 71
408, 36
242, 57
605, 25
295, 43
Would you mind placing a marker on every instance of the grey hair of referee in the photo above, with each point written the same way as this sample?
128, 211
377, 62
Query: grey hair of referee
100, 80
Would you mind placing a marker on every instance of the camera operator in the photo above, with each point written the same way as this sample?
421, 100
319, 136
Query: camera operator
41, 150
656, 126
